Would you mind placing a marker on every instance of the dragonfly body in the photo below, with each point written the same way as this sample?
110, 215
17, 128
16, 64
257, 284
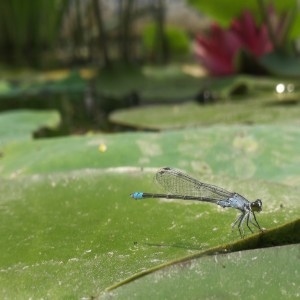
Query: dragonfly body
184, 187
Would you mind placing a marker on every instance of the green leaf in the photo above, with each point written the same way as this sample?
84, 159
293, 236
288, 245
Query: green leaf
219, 276
150, 83
21, 124
262, 110
223, 11
69, 228
71, 235
281, 65
5, 87
177, 39
40, 84
263, 152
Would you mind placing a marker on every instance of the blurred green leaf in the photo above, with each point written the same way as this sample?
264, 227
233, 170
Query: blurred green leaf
151, 83
260, 110
21, 124
177, 39
39, 85
5, 87
223, 11
263, 152
295, 29
281, 65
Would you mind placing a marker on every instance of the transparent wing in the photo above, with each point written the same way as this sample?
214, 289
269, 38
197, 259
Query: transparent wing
179, 183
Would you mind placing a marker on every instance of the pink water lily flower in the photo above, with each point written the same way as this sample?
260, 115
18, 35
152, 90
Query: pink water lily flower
218, 50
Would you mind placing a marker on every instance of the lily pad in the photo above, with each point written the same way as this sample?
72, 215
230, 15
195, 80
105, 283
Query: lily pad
151, 84
69, 228
219, 276
21, 124
40, 84
257, 111
72, 235
281, 65
268, 152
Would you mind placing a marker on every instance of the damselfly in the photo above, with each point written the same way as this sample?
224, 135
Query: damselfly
179, 185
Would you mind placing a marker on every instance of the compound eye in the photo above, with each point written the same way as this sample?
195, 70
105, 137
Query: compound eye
256, 205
